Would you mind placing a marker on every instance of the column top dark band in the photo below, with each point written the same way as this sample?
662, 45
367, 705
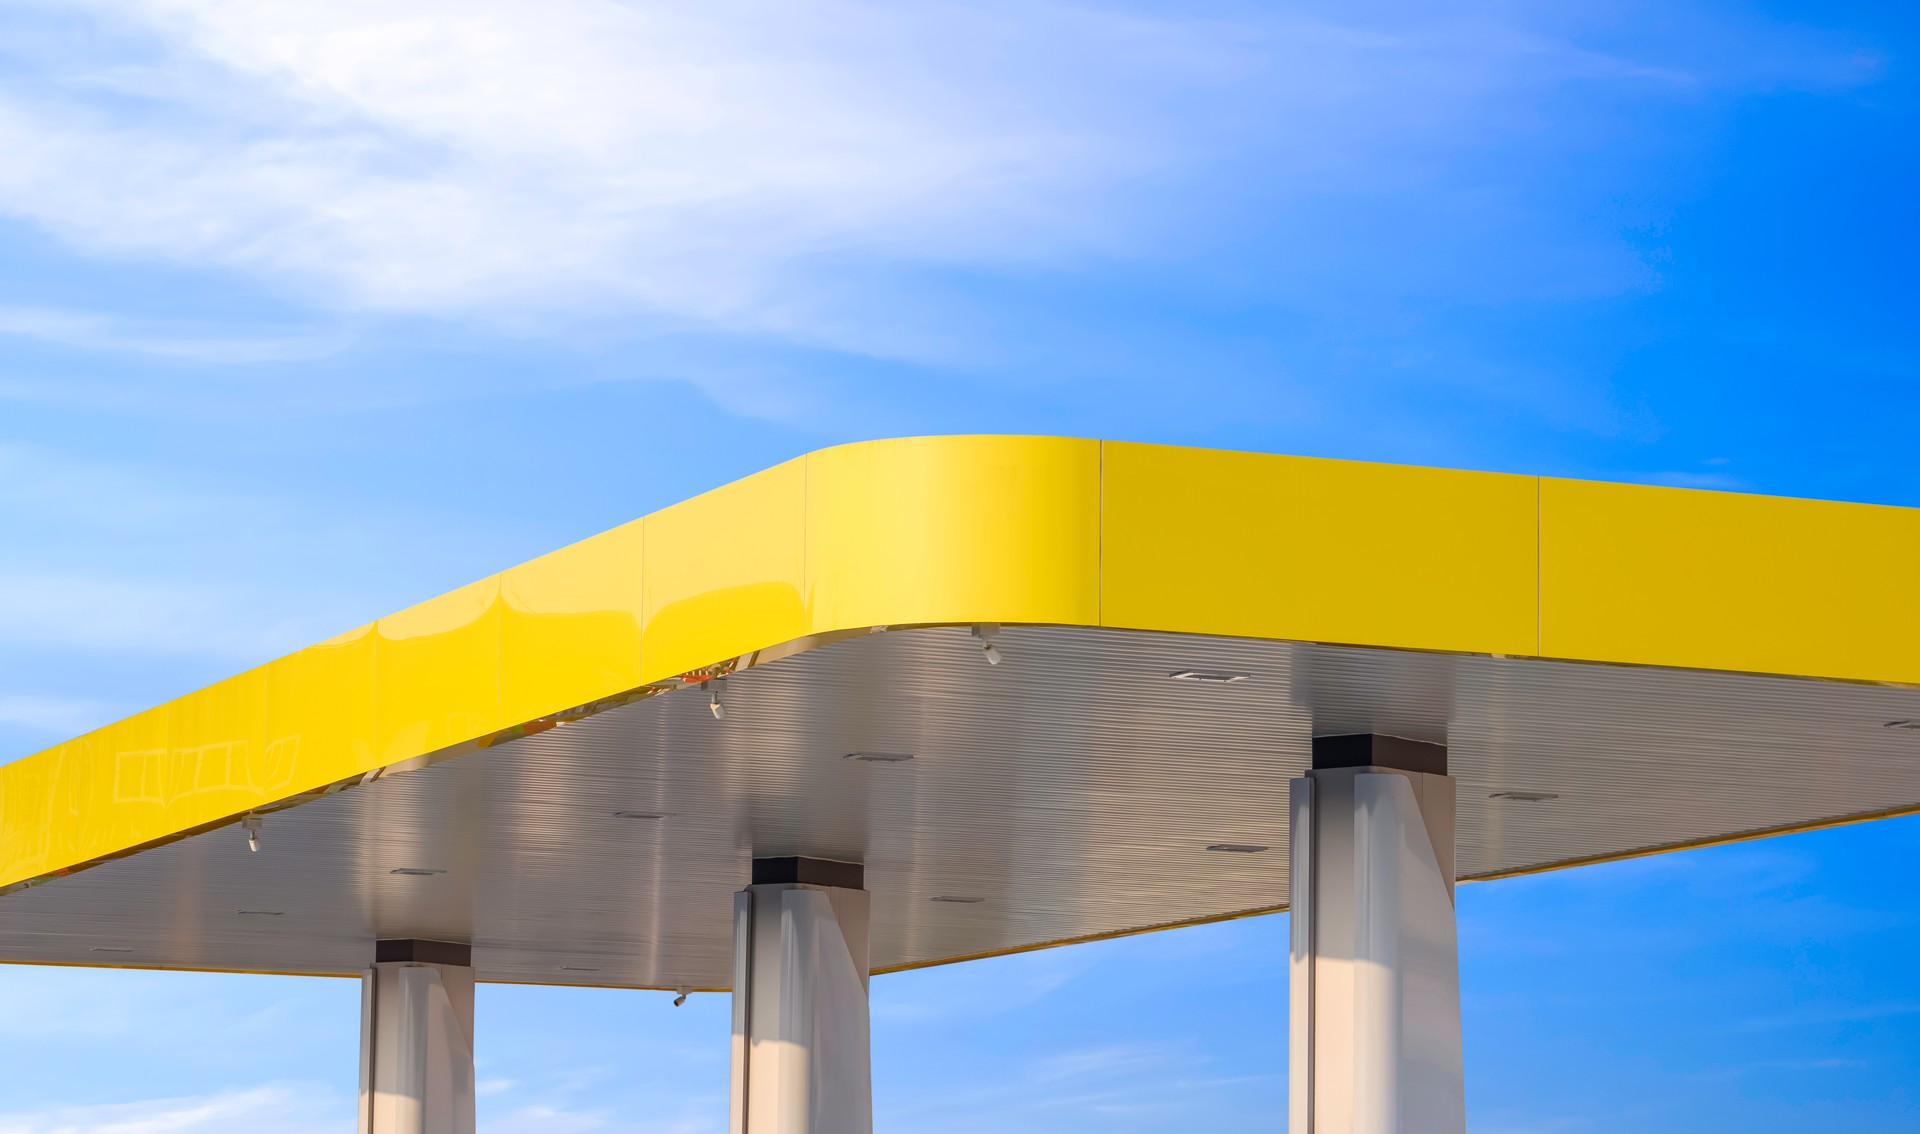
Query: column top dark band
1368, 749
424, 952
809, 871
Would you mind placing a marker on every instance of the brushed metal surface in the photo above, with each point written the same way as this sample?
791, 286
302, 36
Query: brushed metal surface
1074, 788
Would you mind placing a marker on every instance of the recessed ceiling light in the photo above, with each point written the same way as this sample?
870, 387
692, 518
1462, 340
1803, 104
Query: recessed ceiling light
1236, 848
1525, 796
1211, 676
110, 949
639, 815
1913, 723
957, 899
578, 969
260, 913
415, 871
880, 757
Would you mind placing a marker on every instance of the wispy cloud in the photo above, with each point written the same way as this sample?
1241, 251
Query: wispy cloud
54, 714
1102, 1062
748, 166
1829, 1015
436, 155
262, 1110
172, 341
46, 484
547, 1120
144, 559
554, 1118
1011, 984
1716, 481
73, 611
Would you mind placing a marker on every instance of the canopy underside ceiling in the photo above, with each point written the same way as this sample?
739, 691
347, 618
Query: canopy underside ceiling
1072, 790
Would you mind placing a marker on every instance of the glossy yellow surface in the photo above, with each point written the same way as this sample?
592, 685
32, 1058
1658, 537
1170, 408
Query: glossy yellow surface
1007, 530
320, 714
724, 572
991, 529
1715, 580
572, 621
1252, 545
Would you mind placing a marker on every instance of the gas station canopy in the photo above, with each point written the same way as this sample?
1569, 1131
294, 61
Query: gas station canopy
1043, 690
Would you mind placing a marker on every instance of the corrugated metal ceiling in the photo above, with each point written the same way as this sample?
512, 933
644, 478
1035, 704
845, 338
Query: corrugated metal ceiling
1072, 789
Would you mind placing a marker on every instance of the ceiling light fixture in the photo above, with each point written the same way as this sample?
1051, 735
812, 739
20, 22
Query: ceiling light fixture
260, 913
957, 899
1237, 848
984, 634
639, 815
110, 949
880, 757
578, 969
684, 992
1525, 796
251, 825
1913, 723
416, 871
1211, 677
714, 706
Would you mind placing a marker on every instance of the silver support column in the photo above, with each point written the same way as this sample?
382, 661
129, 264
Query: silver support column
802, 1057
416, 1039
1374, 979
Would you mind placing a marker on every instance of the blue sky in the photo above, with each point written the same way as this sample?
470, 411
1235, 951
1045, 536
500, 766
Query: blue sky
309, 310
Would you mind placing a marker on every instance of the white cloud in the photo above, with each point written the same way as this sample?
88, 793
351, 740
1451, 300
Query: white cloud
64, 715
263, 1110
126, 557
748, 165
544, 1120
98, 613
1007, 984
174, 342
121, 556
439, 155
1103, 1062
44, 485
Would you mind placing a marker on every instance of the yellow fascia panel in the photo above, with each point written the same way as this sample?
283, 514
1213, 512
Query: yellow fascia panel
1718, 580
1247, 544
438, 667
571, 626
953, 529
321, 714
217, 745
47, 793
724, 572
129, 763
85, 798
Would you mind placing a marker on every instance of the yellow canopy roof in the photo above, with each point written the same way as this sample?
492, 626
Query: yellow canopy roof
1056, 535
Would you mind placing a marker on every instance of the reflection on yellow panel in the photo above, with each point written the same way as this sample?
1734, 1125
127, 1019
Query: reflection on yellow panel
723, 572
1253, 545
320, 714
439, 671
1716, 580
50, 791
216, 743
571, 626
961, 529
131, 764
